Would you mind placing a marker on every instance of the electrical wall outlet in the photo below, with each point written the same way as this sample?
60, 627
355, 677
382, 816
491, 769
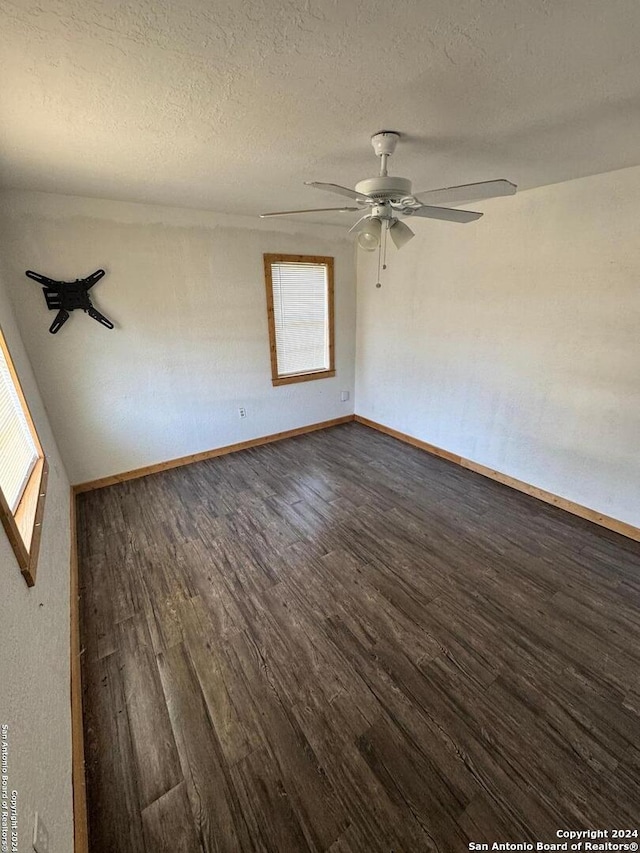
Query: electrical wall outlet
344, 396
242, 412
40, 836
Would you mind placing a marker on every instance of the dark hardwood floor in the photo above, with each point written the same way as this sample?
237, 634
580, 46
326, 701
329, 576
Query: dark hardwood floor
340, 643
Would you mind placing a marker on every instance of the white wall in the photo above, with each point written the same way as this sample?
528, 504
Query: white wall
186, 291
515, 341
34, 643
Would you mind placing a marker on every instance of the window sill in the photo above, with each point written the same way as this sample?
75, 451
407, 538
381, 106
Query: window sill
303, 377
24, 527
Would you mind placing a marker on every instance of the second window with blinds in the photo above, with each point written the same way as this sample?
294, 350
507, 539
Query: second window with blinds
300, 313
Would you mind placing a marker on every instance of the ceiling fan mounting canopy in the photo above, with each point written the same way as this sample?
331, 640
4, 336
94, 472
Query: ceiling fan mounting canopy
385, 198
385, 141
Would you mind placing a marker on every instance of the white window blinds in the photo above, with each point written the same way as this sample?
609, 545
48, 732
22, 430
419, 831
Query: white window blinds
301, 317
18, 452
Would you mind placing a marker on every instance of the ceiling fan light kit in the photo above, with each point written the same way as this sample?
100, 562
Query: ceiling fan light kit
369, 233
400, 233
385, 198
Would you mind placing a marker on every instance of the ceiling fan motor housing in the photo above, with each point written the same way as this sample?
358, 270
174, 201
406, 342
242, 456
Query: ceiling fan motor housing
385, 188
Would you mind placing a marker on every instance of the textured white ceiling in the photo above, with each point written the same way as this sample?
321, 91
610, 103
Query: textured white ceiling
231, 105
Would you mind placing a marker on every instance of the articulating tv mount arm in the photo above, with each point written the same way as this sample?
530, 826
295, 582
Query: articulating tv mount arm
69, 295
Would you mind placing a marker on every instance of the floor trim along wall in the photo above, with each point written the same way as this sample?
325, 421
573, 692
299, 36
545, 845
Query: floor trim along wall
206, 454
78, 779
593, 515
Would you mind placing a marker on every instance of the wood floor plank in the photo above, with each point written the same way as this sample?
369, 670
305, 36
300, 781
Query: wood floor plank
219, 822
340, 643
318, 809
412, 780
168, 824
154, 749
334, 731
396, 698
98, 619
112, 788
484, 824
227, 701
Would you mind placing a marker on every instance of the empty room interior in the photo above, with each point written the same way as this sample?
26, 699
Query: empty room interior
319, 426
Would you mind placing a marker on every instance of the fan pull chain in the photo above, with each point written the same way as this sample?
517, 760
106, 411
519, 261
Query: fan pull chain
379, 284
384, 252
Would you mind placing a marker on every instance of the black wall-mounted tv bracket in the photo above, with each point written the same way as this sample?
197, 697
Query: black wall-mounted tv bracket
66, 296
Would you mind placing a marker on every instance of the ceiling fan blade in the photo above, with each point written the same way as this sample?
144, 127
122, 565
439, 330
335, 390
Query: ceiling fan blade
336, 188
442, 213
312, 210
467, 192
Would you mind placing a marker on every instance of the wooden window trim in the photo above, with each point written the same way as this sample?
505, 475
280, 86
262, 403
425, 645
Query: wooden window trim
276, 378
24, 526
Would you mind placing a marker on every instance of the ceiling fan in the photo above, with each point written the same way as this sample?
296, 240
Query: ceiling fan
385, 198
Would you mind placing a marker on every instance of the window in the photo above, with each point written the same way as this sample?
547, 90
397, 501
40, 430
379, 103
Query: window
300, 314
23, 470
